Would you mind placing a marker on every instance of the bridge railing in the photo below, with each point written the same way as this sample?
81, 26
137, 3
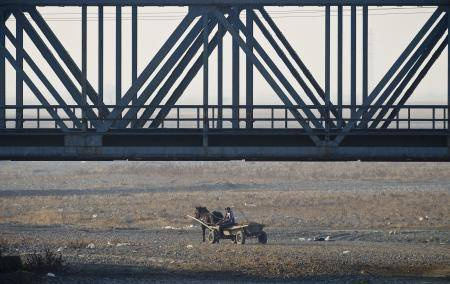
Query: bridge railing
431, 117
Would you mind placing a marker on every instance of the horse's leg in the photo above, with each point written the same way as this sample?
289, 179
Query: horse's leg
203, 229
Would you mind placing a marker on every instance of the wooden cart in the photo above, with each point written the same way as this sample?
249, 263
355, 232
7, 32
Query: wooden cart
237, 233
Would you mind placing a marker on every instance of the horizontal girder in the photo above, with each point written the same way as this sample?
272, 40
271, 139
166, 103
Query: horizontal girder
226, 2
186, 144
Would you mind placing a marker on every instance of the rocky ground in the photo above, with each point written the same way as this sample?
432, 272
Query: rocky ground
125, 222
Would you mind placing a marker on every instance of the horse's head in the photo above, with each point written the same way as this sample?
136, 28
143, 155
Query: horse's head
200, 211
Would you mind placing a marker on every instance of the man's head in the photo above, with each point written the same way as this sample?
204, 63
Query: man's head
228, 209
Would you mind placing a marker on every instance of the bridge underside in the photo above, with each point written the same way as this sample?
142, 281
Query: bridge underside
242, 144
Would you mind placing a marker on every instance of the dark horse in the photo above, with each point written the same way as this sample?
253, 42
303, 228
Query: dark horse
209, 218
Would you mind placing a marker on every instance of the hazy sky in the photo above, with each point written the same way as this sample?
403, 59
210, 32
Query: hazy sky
390, 30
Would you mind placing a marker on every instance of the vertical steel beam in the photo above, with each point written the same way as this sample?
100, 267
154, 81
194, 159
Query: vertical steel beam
365, 56
220, 77
353, 62
339, 63
236, 74
134, 50
205, 54
448, 75
19, 80
327, 67
249, 70
118, 53
101, 115
365, 63
84, 64
2, 72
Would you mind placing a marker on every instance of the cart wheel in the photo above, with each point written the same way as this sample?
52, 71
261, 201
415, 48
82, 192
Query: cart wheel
240, 237
213, 237
262, 238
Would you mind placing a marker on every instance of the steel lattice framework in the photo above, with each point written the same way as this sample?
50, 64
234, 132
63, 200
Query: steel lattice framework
146, 122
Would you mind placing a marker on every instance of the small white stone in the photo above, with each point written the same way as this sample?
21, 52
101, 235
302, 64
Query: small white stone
94, 216
51, 274
91, 246
346, 252
189, 246
327, 238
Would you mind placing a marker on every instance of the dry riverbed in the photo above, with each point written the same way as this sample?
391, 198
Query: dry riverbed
125, 221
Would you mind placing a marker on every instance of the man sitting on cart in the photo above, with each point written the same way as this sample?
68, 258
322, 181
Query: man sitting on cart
227, 221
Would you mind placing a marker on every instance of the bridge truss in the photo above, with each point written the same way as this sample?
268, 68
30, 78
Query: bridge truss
146, 122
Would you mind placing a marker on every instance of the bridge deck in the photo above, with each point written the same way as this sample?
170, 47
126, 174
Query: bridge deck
248, 144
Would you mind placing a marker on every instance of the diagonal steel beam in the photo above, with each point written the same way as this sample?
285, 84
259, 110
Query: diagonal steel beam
291, 67
147, 72
292, 52
190, 75
431, 40
394, 68
402, 86
235, 34
273, 67
176, 73
54, 64
23, 54
32, 86
162, 73
65, 56
416, 82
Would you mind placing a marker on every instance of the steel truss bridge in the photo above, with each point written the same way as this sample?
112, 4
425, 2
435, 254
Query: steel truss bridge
147, 123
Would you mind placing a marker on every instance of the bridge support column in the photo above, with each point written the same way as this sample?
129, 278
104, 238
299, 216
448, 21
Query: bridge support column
205, 78
84, 65
19, 80
220, 77
353, 63
365, 59
2, 71
236, 74
134, 54
339, 65
118, 54
327, 69
249, 70
448, 77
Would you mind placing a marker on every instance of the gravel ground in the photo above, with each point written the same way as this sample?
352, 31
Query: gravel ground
122, 223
